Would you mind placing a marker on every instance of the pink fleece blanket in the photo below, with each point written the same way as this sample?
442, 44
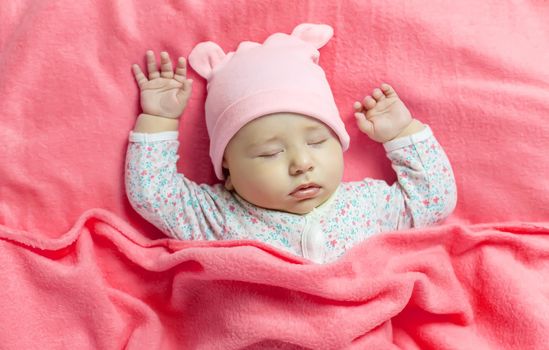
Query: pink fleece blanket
476, 72
103, 285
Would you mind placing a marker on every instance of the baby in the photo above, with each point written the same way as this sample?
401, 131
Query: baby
277, 142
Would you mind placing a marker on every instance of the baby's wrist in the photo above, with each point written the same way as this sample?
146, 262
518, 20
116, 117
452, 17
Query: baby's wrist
147, 115
149, 123
415, 126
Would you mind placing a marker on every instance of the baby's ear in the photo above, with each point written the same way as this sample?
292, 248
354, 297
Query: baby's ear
228, 183
227, 175
316, 34
204, 57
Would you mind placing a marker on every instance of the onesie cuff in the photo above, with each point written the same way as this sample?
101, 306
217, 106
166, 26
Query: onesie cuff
408, 140
154, 137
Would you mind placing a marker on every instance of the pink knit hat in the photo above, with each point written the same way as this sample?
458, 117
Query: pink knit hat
280, 75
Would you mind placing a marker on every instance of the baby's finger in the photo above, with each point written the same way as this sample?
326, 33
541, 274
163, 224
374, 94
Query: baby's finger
357, 106
181, 70
151, 65
388, 90
185, 91
364, 124
139, 76
378, 94
166, 65
369, 102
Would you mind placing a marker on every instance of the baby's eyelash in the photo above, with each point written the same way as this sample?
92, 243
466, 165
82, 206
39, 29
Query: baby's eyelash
269, 155
318, 142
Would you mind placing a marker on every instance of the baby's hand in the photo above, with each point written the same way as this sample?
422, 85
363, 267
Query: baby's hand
164, 93
384, 116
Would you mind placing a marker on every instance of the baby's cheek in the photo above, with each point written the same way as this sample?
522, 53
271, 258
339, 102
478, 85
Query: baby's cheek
250, 178
265, 177
262, 190
268, 179
332, 161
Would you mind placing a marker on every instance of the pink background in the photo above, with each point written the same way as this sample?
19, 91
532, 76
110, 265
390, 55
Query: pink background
476, 72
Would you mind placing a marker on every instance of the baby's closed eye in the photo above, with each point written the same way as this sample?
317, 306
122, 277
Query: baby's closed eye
318, 141
317, 137
270, 153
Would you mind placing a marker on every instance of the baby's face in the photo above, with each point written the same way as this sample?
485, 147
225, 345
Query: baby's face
285, 162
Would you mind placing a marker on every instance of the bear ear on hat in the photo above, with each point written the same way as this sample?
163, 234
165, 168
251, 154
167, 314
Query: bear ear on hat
247, 45
316, 34
204, 57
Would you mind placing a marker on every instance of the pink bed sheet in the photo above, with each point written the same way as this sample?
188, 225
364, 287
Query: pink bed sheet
476, 72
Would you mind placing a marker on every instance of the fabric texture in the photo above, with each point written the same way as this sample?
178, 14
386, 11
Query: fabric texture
480, 81
107, 287
281, 75
424, 195
77, 277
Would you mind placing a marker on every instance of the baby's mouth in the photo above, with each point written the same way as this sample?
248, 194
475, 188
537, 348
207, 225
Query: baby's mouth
306, 191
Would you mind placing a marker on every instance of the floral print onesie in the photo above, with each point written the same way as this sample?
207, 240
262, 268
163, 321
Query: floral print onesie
424, 194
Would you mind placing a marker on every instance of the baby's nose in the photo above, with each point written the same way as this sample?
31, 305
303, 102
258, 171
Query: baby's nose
301, 163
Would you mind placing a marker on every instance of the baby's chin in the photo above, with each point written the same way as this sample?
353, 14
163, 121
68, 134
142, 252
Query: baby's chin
300, 211
295, 209
300, 208
306, 206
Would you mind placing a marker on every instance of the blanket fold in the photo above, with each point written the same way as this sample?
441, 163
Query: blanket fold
108, 287
71, 277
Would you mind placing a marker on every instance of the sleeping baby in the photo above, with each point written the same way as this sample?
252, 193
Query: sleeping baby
276, 144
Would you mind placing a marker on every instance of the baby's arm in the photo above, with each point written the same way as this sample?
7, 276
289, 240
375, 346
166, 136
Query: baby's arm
176, 205
425, 192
